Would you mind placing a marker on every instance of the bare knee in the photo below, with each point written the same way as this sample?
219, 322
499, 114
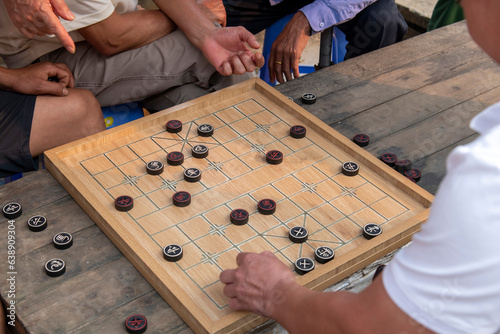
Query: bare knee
87, 112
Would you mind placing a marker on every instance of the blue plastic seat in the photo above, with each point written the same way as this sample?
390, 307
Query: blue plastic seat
338, 47
122, 113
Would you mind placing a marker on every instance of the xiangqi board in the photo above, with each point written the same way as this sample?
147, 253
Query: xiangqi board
294, 203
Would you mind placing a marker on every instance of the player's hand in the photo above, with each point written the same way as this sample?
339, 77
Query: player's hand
287, 48
227, 49
34, 79
260, 284
41, 17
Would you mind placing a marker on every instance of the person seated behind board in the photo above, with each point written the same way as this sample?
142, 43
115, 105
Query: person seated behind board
131, 55
37, 114
367, 24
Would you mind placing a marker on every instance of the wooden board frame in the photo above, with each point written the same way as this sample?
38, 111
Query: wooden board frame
59, 162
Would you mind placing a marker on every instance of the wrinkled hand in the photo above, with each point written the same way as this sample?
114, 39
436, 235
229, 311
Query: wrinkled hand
33, 79
260, 284
40, 17
287, 48
215, 10
227, 49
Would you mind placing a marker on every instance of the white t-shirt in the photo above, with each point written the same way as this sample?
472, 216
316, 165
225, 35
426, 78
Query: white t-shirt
19, 51
448, 279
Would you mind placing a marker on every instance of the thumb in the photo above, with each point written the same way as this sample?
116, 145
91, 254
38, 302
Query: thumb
53, 88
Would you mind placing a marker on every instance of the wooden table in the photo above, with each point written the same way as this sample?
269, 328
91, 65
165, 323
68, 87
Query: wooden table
414, 99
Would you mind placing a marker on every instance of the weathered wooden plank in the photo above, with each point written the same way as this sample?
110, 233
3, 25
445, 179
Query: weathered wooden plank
33, 191
403, 111
436, 132
63, 215
160, 316
378, 90
90, 250
97, 279
375, 63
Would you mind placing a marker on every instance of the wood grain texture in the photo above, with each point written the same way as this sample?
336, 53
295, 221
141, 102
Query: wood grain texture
249, 119
432, 101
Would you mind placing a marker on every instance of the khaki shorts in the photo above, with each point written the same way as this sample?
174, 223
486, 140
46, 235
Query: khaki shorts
165, 72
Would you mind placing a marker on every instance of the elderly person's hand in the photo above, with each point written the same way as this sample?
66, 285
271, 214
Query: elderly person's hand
41, 17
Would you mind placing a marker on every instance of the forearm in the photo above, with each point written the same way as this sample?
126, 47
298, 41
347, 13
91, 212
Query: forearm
6, 78
189, 17
306, 311
127, 31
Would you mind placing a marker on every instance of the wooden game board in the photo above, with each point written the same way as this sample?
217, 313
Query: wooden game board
309, 188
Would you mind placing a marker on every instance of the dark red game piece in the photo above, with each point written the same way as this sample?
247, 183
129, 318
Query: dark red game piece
298, 131
274, 157
175, 158
389, 158
412, 180
182, 198
239, 216
124, 203
413, 174
174, 126
267, 206
136, 323
403, 165
361, 139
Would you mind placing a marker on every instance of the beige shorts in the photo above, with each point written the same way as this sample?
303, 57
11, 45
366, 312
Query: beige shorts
164, 73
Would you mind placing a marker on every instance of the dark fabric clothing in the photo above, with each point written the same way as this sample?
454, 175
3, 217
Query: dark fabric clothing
445, 12
16, 117
378, 25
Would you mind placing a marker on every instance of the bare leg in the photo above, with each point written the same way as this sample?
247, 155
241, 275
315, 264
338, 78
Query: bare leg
59, 120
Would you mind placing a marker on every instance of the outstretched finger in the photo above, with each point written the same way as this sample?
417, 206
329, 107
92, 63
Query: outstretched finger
61, 9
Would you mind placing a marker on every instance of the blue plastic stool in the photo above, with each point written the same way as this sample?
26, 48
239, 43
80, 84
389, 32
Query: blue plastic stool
338, 47
122, 113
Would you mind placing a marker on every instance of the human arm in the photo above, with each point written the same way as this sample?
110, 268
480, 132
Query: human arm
310, 19
33, 79
264, 285
227, 49
40, 17
120, 32
287, 48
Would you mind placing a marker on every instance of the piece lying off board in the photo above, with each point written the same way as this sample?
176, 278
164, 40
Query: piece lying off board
308, 186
